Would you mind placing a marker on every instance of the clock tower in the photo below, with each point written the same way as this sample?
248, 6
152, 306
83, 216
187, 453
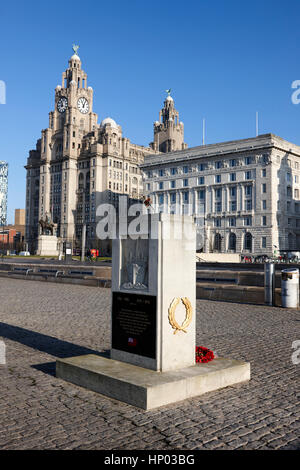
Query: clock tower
78, 164
61, 145
73, 106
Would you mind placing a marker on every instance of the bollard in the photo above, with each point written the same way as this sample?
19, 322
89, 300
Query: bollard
290, 288
270, 283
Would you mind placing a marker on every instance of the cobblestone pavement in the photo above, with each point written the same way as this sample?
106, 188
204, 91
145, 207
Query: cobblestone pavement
40, 322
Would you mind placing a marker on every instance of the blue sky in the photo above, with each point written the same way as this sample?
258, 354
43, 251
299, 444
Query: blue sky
223, 59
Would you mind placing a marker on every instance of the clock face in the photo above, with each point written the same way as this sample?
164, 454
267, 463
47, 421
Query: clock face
83, 105
62, 104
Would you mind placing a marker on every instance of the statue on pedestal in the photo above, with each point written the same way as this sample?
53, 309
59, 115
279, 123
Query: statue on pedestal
46, 225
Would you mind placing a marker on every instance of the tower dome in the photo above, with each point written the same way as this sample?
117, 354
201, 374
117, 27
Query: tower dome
110, 121
75, 57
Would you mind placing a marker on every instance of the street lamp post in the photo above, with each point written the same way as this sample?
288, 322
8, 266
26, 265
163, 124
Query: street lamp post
2, 226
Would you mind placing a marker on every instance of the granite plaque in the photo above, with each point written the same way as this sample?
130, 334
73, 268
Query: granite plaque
134, 323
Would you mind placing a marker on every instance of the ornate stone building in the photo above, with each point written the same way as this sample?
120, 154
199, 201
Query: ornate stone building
3, 192
79, 164
244, 194
168, 131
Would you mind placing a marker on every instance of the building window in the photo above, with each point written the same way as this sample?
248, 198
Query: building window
218, 206
161, 172
201, 180
232, 162
264, 242
218, 193
264, 188
201, 194
289, 191
161, 185
232, 242
185, 182
288, 177
173, 184
218, 179
161, 199
185, 169
296, 193
248, 204
247, 221
248, 160
264, 205
232, 176
232, 206
173, 198
186, 197
248, 242
264, 220
232, 222
248, 190
247, 175
173, 171
201, 167
233, 191
218, 242
263, 173
217, 222
288, 206
218, 165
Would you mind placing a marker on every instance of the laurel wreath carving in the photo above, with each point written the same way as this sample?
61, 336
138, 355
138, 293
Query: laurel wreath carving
188, 316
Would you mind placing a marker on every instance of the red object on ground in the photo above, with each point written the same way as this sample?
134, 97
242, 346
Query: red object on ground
203, 354
94, 253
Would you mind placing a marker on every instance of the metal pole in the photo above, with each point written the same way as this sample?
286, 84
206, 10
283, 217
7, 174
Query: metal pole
270, 283
256, 124
83, 241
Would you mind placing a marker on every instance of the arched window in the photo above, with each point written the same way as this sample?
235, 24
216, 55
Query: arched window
248, 242
218, 242
232, 242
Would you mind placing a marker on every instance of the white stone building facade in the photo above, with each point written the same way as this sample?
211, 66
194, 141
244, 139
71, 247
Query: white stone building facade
3, 192
243, 194
79, 164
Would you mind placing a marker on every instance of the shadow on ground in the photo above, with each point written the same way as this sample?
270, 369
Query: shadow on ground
47, 344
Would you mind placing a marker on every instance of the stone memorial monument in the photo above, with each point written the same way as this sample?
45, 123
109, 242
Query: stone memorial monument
47, 240
153, 321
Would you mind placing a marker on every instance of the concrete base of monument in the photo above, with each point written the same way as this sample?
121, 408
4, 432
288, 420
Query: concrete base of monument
149, 389
47, 245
